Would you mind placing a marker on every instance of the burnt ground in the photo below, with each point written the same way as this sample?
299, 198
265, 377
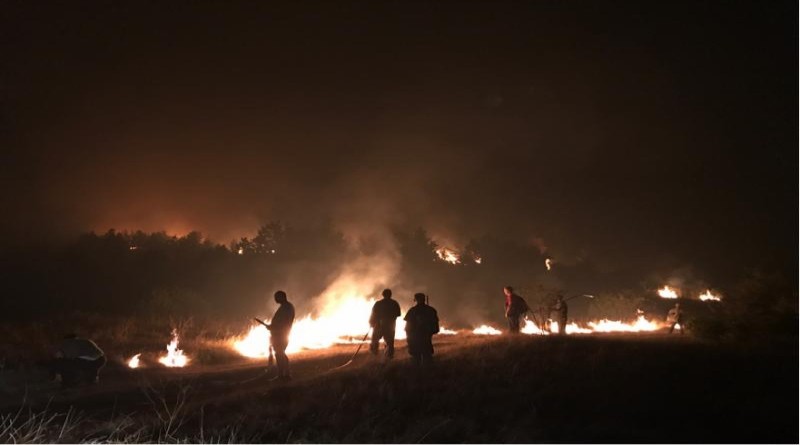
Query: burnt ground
613, 388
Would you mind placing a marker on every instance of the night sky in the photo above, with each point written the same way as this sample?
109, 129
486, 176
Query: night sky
655, 135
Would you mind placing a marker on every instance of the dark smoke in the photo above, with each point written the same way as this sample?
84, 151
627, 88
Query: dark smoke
615, 142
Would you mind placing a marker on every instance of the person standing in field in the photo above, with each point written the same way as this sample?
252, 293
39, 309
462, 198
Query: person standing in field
675, 317
561, 309
383, 320
422, 323
516, 307
280, 327
77, 360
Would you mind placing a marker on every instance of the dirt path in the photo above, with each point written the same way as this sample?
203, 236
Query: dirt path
125, 390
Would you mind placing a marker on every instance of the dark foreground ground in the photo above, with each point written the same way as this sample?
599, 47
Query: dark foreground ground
649, 388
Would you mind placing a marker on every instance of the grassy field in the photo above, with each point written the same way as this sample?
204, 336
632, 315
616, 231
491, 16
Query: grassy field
614, 388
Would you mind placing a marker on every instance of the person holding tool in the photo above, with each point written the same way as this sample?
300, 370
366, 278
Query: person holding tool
516, 307
279, 329
561, 309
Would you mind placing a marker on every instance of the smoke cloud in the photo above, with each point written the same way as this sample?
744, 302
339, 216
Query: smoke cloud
473, 130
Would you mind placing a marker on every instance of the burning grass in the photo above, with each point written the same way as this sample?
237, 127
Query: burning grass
175, 358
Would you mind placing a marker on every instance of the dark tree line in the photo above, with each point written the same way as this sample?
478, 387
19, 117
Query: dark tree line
155, 274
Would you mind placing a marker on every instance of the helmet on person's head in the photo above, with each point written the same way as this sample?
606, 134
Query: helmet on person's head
387, 293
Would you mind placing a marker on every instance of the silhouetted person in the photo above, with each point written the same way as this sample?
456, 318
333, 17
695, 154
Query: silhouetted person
561, 309
422, 323
515, 309
77, 360
675, 317
279, 328
383, 320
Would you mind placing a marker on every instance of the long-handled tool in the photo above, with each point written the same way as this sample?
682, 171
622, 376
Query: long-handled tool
271, 359
536, 322
360, 344
266, 325
576, 296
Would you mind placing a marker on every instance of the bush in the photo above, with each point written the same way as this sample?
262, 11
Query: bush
616, 306
762, 309
177, 302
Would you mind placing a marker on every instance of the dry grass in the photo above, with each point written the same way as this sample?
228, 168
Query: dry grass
621, 388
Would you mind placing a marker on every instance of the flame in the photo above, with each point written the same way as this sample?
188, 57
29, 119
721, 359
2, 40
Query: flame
708, 296
571, 328
240, 251
342, 311
531, 328
548, 263
448, 255
640, 325
602, 326
486, 330
134, 361
478, 260
175, 357
346, 324
667, 292
254, 344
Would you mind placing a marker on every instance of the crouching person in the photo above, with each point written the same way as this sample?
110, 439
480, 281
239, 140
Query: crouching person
422, 323
78, 361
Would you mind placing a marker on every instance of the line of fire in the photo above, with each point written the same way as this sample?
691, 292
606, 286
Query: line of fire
294, 221
344, 315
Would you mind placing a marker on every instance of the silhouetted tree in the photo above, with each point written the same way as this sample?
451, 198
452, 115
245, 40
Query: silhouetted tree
269, 238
